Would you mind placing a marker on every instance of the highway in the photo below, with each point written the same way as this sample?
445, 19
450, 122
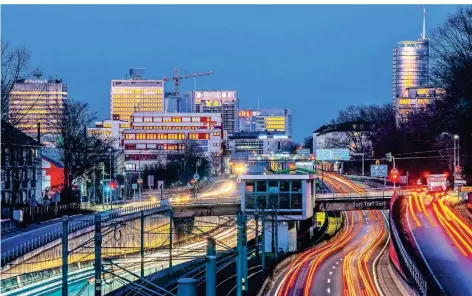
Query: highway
443, 239
344, 265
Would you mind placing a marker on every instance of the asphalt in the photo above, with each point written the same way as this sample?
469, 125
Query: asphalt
451, 268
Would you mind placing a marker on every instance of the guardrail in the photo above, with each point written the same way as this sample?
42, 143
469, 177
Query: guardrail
413, 270
74, 225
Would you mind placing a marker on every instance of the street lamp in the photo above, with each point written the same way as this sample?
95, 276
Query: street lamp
111, 177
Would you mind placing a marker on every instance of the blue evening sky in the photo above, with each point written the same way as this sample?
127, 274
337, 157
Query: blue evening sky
314, 60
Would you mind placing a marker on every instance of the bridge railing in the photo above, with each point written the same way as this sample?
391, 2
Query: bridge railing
413, 270
355, 195
74, 225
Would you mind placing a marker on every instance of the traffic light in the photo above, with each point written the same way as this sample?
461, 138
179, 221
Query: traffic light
394, 177
112, 185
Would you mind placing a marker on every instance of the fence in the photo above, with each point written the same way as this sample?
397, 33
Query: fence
74, 225
414, 273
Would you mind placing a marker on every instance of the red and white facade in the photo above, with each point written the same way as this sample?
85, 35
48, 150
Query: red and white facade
153, 135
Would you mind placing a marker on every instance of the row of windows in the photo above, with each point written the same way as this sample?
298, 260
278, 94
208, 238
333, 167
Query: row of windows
137, 91
169, 127
171, 119
274, 186
177, 136
154, 147
412, 101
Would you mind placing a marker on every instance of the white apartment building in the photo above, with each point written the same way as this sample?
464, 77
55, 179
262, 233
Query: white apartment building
153, 135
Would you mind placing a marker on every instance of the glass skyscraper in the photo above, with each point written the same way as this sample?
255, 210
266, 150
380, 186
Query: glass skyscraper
410, 66
410, 69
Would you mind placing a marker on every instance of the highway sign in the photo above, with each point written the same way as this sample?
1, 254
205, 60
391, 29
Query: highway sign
332, 154
303, 152
134, 186
196, 176
466, 189
140, 181
378, 170
188, 186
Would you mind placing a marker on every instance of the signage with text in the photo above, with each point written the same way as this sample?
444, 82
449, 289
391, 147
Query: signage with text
332, 154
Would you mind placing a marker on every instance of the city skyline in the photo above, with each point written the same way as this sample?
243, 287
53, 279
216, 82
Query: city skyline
251, 57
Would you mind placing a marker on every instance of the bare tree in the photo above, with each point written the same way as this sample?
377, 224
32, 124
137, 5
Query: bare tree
14, 67
79, 152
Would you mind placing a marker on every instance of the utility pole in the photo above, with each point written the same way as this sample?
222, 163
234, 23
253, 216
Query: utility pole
256, 217
276, 234
170, 240
65, 255
98, 254
241, 284
211, 268
142, 244
263, 243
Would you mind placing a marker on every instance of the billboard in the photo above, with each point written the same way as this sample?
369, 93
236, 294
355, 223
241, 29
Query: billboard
332, 154
378, 170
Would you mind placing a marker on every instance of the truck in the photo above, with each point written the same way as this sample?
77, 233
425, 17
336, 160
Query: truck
437, 182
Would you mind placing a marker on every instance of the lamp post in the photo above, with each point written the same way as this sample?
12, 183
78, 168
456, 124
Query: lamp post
111, 177
456, 157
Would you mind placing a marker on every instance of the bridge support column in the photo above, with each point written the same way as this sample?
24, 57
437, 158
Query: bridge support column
186, 287
241, 257
170, 241
286, 236
211, 268
142, 244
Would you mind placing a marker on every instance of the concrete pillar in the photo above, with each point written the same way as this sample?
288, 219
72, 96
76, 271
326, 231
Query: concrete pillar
186, 287
286, 236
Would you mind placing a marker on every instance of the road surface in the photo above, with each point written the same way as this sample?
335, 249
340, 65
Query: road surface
444, 240
345, 264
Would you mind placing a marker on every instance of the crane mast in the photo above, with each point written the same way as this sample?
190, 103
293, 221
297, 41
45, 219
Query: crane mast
176, 78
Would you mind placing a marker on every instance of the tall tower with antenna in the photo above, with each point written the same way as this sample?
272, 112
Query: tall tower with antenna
410, 69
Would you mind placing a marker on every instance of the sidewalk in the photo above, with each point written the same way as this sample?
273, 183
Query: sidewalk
390, 281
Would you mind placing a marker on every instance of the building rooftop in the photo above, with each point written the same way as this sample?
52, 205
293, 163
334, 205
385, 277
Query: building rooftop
13, 136
348, 126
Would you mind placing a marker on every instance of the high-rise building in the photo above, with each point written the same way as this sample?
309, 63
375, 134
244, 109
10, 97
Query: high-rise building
410, 65
220, 101
136, 95
37, 101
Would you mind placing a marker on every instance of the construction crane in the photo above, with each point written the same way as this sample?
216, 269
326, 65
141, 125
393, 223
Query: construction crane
177, 79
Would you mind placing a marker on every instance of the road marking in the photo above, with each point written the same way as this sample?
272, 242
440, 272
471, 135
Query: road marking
329, 280
334, 266
337, 262
328, 290
330, 273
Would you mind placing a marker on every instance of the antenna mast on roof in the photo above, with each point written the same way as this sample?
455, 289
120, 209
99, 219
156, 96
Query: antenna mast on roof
424, 22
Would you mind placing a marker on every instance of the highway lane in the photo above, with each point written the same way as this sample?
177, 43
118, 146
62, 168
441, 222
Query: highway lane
444, 240
344, 264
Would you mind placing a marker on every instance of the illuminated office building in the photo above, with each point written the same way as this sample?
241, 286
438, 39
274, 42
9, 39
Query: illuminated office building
136, 95
153, 135
37, 101
221, 101
410, 67
110, 130
247, 120
416, 99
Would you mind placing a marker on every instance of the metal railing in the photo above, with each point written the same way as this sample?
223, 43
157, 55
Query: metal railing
74, 226
413, 270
